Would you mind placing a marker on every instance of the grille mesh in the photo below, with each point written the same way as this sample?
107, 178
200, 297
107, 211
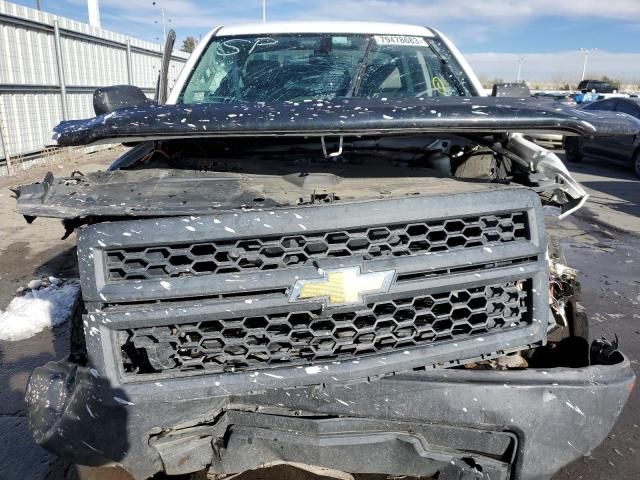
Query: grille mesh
252, 343
276, 252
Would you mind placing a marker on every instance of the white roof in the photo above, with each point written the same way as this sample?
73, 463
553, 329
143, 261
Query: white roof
325, 27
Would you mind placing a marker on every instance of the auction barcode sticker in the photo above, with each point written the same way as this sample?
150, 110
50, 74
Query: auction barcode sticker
400, 40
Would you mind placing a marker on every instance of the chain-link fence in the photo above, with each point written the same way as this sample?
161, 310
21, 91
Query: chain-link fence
49, 68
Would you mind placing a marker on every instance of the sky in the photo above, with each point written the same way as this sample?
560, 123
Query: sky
544, 36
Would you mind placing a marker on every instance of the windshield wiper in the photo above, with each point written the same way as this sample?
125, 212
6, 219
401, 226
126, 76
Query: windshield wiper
445, 65
354, 88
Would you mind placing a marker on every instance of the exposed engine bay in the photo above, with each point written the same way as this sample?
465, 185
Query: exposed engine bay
271, 172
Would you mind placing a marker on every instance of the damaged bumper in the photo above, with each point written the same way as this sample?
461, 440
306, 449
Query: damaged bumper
474, 424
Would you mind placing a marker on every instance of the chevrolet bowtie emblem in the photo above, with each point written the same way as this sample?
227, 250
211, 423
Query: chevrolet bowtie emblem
342, 285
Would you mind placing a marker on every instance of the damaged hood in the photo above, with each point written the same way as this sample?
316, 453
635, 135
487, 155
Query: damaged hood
158, 192
352, 116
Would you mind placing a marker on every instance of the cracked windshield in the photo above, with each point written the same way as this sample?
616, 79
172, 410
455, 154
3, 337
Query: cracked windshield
323, 67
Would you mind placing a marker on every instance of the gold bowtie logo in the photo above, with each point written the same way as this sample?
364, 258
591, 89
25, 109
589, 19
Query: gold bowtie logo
342, 285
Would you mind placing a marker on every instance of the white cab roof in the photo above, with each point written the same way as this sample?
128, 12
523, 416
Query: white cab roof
325, 27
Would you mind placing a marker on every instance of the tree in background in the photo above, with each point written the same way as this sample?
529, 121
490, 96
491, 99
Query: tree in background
189, 44
614, 83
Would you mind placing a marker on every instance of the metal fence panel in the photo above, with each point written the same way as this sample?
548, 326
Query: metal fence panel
45, 78
80, 105
26, 56
28, 118
87, 63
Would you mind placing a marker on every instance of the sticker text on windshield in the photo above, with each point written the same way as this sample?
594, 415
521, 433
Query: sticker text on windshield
400, 40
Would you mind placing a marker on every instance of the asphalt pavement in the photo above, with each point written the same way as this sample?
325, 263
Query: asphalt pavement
602, 241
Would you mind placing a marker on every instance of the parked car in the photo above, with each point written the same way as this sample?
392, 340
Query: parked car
598, 86
562, 98
325, 250
620, 149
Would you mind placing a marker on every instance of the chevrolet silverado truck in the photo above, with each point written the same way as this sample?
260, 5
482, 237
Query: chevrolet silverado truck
325, 249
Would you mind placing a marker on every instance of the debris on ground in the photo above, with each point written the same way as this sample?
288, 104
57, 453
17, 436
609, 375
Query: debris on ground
45, 303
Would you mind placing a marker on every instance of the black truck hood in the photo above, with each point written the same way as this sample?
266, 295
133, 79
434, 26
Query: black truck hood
179, 192
354, 116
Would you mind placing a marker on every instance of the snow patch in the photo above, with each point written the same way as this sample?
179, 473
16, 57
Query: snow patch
548, 397
38, 309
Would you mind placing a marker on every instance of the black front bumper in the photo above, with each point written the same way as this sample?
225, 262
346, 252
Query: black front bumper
522, 424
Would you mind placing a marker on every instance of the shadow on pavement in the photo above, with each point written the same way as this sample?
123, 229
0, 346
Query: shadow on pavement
20, 457
611, 186
601, 168
628, 196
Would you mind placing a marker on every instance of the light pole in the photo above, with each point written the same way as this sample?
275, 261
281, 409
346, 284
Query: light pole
264, 11
520, 60
94, 13
164, 21
586, 52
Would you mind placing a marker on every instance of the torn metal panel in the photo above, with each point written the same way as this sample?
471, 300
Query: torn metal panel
165, 192
347, 445
139, 193
558, 178
353, 116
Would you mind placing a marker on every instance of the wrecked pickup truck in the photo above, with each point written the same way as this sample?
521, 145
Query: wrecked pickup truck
327, 250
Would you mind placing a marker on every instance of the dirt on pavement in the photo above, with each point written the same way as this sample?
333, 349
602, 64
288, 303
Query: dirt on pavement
27, 252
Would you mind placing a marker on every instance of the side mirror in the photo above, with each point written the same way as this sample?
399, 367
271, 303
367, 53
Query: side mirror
108, 99
510, 90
